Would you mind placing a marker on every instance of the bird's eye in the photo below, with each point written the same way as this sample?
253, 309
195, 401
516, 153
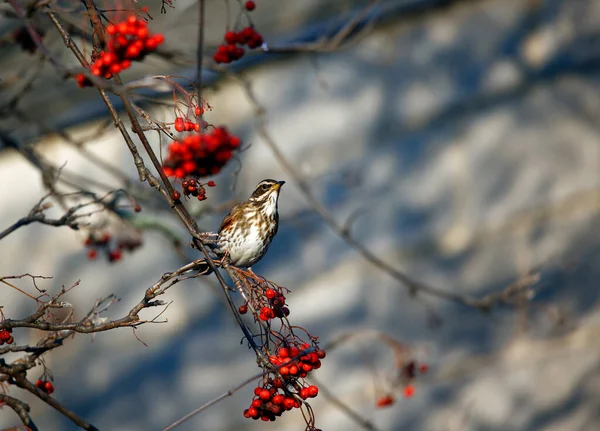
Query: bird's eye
265, 187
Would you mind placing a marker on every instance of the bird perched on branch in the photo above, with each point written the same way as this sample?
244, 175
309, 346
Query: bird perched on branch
247, 231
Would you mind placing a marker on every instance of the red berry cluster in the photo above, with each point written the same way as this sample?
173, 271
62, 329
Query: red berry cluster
409, 373
102, 242
276, 306
192, 187
182, 125
45, 386
230, 51
275, 394
299, 367
127, 41
200, 155
6, 337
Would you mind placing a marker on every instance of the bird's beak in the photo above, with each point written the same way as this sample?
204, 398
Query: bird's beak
279, 184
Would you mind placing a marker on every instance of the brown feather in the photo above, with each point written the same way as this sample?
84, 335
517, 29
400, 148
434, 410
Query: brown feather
230, 217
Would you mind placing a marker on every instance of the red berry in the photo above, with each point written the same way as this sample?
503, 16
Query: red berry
179, 125
245, 35
267, 312
115, 68
175, 195
142, 33
409, 391
257, 390
133, 51
211, 183
270, 294
220, 58
278, 399
256, 403
108, 58
250, 5
284, 352
114, 255
243, 309
255, 41
264, 395
289, 403
92, 254
313, 391
231, 37
385, 401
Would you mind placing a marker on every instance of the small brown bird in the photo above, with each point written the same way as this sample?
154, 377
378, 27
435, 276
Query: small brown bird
247, 231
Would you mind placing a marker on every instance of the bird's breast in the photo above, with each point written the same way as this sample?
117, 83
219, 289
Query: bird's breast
248, 243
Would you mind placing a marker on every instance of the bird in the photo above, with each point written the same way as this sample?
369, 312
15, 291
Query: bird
248, 229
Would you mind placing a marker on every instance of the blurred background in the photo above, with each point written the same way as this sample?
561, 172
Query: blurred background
458, 141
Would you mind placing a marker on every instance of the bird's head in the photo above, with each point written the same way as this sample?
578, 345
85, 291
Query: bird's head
266, 194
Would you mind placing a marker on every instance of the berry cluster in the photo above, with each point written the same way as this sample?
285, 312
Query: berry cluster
299, 367
200, 155
276, 306
44, 386
409, 373
192, 187
127, 41
283, 392
95, 242
230, 51
182, 125
6, 337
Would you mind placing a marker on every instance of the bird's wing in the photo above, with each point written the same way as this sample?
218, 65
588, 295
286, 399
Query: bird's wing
229, 217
